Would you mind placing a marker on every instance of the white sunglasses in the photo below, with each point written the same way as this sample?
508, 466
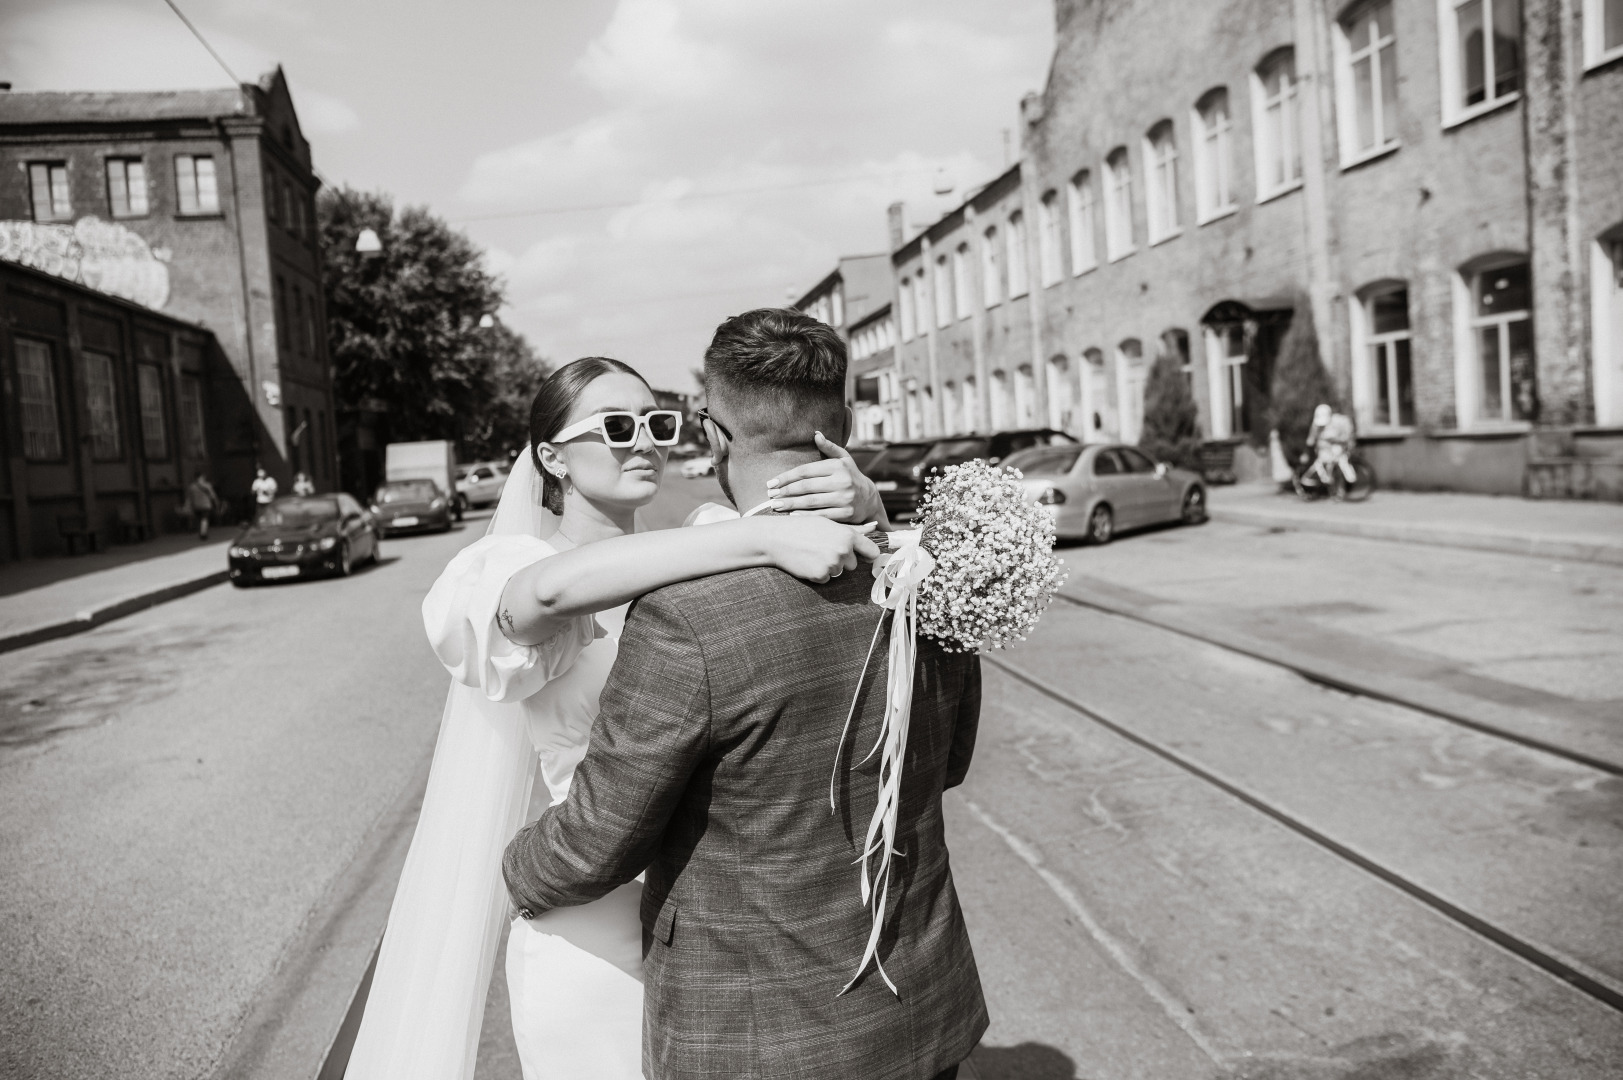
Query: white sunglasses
621, 429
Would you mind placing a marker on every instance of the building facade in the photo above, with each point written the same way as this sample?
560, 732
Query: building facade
857, 294
199, 205
1432, 182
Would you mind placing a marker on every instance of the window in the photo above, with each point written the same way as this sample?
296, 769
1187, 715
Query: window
972, 404
154, 437
1118, 205
1025, 397
921, 302
1386, 315
1481, 55
194, 180
48, 185
1130, 377
991, 274
837, 305
1214, 156
1161, 190
36, 384
281, 313
1279, 151
101, 403
1084, 252
1106, 463
1367, 81
312, 340
961, 295
127, 187
1227, 355
1017, 255
1001, 405
1502, 333
943, 293
1048, 250
191, 417
904, 301
949, 408
1603, 31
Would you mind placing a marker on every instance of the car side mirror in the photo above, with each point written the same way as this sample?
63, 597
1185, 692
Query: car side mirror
1161, 468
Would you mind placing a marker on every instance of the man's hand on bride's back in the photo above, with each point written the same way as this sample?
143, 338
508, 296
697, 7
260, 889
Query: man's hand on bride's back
833, 488
813, 548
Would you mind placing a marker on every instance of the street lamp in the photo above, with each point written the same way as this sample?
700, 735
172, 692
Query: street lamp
486, 321
367, 244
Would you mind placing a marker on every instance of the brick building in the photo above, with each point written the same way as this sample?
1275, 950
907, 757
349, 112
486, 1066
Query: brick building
855, 295
1433, 182
196, 204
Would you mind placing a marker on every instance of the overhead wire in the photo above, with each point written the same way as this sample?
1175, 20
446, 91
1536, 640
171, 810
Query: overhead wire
198, 34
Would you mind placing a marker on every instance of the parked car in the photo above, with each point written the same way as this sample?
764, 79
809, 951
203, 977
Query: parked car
411, 506
303, 536
481, 483
432, 460
695, 467
900, 472
1094, 492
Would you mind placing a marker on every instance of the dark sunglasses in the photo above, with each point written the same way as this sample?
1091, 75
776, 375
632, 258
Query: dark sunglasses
704, 414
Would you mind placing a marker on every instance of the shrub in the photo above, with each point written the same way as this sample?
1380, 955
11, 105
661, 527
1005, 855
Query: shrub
1171, 419
1300, 384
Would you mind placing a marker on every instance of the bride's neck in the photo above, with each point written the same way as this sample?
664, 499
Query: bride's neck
586, 522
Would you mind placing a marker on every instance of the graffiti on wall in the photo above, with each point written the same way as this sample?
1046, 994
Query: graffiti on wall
101, 255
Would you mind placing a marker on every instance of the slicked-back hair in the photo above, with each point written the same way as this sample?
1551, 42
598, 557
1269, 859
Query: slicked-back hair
550, 410
780, 376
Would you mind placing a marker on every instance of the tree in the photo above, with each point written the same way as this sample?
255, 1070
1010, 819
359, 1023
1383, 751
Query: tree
1171, 431
1300, 383
518, 371
403, 325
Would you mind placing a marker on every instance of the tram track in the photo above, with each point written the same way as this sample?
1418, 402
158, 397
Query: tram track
1593, 985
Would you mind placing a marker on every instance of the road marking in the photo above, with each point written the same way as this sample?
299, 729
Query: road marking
1176, 1011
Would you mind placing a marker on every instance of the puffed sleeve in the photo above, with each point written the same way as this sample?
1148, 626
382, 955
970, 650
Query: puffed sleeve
459, 614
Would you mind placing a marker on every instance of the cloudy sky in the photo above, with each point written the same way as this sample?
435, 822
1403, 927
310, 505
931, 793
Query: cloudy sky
636, 169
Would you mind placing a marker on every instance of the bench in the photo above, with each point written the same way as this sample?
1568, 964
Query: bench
74, 530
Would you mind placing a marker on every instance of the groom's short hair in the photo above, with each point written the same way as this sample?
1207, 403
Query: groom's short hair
779, 376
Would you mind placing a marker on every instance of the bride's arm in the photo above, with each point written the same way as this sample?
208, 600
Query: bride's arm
542, 598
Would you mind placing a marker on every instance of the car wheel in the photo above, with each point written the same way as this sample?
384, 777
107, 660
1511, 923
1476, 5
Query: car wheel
345, 560
1194, 506
377, 543
1101, 525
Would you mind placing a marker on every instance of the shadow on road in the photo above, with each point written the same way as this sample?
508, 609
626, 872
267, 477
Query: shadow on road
1026, 1061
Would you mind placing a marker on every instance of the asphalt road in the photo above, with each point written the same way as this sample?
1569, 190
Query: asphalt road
185, 793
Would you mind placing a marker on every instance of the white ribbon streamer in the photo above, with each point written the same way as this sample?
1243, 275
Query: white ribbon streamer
897, 577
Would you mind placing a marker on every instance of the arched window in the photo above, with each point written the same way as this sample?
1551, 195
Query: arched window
1049, 243
1366, 80
949, 408
943, 292
1017, 255
1278, 124
960, 280
1096, 405
1606, 322
1080, 200
1501, 371
991, 274
1214, 155
1130, 388
1383, 375
1025, 397
1061, 394
972, 404
1118, 204
1002, 406
1161, 184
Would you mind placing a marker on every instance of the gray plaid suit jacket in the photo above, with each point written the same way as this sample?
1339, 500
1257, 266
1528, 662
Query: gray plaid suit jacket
709, 766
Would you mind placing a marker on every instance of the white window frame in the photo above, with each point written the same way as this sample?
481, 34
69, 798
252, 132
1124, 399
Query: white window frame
837, 307
189, 177
904, 303
962, 284
972, 404
1083, 210
1455, 111
1595, 51
991, 272
1161, 183
921, 301
58, 182
127, 175
941, 273
1119, 205
1214, 157
1468, 371
1049, 255
1380, 53
1371, 350
1019, 269
1225, 380
1290, 113
1132, 379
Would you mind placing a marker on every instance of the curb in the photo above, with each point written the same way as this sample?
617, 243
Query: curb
129, 605
1507, 543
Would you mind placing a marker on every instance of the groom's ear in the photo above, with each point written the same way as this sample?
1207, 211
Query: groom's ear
720, 448
849, 419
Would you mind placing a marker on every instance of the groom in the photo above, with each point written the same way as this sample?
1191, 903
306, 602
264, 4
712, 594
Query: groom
709, 766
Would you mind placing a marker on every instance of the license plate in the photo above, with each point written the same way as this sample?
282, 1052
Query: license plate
884, 485
279, 571
403, 523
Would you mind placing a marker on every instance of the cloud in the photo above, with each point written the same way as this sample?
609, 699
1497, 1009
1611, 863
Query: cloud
739, 150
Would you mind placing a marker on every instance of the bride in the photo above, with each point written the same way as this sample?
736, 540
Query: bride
512, 619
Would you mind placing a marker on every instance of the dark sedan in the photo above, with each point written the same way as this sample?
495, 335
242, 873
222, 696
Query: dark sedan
303, 536
402, 506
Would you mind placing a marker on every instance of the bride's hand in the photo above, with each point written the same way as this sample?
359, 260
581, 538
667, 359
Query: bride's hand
813, 548
833, 488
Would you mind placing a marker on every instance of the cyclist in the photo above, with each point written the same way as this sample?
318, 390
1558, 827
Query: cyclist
1331, 438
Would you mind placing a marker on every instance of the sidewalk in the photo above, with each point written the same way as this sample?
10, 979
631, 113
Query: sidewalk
41, 599
1556, 529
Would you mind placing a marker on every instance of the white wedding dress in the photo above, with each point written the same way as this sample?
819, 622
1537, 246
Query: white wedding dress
574, 974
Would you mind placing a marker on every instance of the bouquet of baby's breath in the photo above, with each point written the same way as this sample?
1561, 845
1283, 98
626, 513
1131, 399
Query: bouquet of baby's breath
995, 570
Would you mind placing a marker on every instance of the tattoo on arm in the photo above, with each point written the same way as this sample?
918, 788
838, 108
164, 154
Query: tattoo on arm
506, 619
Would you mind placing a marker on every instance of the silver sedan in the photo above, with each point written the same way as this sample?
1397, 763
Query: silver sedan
1092, 492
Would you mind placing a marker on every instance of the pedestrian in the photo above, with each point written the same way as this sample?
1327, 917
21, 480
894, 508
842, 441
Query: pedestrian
204, 503
264, 488
302, 485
